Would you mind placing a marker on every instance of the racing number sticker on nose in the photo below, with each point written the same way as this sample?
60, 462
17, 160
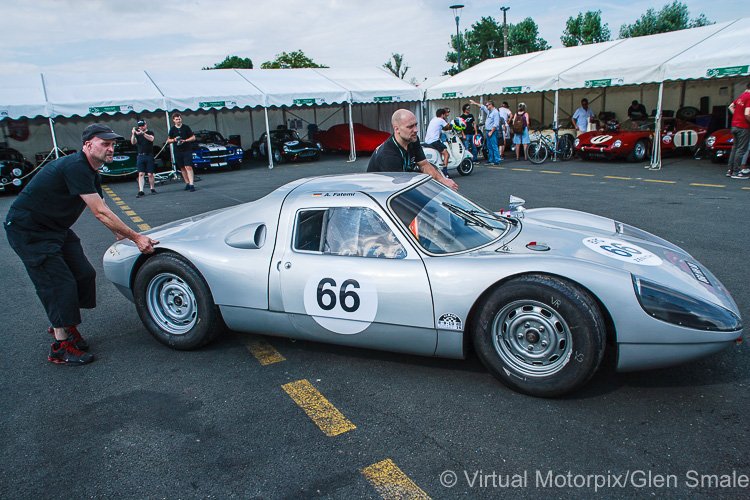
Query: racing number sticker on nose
622, 250
685, 138
341, 301
600, 139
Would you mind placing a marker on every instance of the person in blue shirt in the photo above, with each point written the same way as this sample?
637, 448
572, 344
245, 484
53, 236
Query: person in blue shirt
582, 117
492, 129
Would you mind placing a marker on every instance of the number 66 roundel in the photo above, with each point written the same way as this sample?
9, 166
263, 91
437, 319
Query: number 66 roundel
341, 301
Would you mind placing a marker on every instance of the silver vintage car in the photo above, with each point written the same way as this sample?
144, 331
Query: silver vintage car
399, 262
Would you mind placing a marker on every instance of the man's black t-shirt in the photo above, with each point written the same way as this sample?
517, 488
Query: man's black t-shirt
144, 145
391, 157
52, 201
184, 132
637, 112
470, 121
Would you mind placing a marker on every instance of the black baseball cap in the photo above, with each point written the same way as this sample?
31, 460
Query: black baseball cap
100, 131
141, 122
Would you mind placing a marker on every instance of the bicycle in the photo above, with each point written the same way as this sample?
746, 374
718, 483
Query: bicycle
542, 146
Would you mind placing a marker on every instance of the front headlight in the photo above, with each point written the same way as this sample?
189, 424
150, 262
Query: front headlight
617, 143
710, 141
680, 309
17, 172
577, 142
195, 156
285, 149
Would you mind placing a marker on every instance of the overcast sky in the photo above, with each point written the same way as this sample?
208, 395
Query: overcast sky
108, 36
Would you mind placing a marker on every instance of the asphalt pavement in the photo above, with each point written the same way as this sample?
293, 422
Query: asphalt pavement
227, 421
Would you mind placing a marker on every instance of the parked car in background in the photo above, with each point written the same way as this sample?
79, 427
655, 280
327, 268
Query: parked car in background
286, 145
212, 150
336, 138
633, 140
124, 164
44, 157
15, 170
719, 145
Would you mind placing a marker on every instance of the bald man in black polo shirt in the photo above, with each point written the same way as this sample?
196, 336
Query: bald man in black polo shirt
38, 227
402, 152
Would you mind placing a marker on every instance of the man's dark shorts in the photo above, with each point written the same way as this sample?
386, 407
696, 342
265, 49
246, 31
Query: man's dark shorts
183, 159
145, 163
437, 145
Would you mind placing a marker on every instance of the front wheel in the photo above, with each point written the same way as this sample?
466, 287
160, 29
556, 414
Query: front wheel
537, 152
277, 156
466, 167
175, 304
540, 335
565, 147
639, 151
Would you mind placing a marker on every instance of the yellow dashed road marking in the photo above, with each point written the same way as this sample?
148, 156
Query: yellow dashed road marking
144, 227
120, 203
129, 212
746, 188
136, 219
262, 350
500, 168
663, 182
126, 209
708, 185
549, 172
323, 413
613, 177
391, 482
583, 175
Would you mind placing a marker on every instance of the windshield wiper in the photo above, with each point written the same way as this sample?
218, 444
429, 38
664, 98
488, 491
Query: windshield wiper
503, 218
468, 217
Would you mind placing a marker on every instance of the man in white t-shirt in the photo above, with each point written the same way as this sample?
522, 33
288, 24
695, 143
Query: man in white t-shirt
504, 112
432, 136
582, 117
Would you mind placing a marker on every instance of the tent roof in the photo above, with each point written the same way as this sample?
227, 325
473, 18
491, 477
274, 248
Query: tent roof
23, 95
98, 93
200, 89
294, 87
372, 84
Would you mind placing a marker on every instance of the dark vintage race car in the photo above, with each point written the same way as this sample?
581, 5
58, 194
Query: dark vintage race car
124, 164
719, 145
44, 157
211, 150
286, 145
336, 138
15, 170
633, 140
402, 263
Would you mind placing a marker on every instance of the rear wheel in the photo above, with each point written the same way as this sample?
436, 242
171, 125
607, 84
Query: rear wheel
540, 335
639, 151
565, 147
466, 167
537, 152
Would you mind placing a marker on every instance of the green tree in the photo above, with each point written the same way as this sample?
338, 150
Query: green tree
234, 62
584, 29
524, 38
296, 59
397, 66
672, 17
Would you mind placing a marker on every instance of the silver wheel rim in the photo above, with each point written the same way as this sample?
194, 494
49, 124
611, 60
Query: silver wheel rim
277, 156
640, 150
531, 338
171, 303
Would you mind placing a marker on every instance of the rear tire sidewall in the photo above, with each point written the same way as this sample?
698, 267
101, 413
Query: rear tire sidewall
208, 322
586, 333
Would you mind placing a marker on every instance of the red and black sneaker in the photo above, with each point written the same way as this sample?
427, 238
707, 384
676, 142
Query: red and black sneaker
79, 341
66, 353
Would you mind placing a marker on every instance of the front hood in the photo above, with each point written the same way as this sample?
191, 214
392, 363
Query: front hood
212, 146
605, 242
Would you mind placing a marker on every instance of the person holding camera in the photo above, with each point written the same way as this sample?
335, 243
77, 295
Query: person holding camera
143, 139
180, 135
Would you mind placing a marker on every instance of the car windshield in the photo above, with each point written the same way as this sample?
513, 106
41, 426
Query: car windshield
629, 124
285, 135
209, 137
444, 222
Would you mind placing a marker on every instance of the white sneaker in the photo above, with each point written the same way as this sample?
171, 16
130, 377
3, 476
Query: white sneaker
745, 171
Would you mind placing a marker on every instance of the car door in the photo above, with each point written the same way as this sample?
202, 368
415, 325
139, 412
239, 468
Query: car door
344, 276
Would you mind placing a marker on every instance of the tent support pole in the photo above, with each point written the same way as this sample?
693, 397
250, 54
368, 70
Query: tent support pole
269, 151
54, 139
656, 154
352, 146
554, 121
171, 146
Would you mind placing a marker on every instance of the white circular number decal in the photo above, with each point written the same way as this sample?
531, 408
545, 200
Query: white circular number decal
622, 250
341, 301
600, 139
685, 138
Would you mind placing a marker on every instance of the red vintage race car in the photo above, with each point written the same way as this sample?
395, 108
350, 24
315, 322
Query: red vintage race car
336, 138
719, 145
634, 139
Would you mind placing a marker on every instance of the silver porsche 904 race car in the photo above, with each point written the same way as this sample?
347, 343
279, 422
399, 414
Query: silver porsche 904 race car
400, 263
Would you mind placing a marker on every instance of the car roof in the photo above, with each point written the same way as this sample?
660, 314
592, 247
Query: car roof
379, 185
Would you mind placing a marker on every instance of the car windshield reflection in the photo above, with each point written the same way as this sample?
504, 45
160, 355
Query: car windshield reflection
285, 135
444, 222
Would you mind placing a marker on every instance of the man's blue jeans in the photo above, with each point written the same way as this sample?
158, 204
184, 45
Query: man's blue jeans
494, 152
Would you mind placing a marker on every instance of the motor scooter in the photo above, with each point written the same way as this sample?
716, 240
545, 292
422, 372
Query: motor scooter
460, 158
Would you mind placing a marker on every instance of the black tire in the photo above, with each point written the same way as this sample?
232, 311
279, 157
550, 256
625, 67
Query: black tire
536, 152
687, 113
278, 157
256, 154
639, 151
565, 146
466, 167
540, 335
175, 303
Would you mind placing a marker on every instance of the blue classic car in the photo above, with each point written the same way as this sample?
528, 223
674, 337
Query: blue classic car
211, 150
